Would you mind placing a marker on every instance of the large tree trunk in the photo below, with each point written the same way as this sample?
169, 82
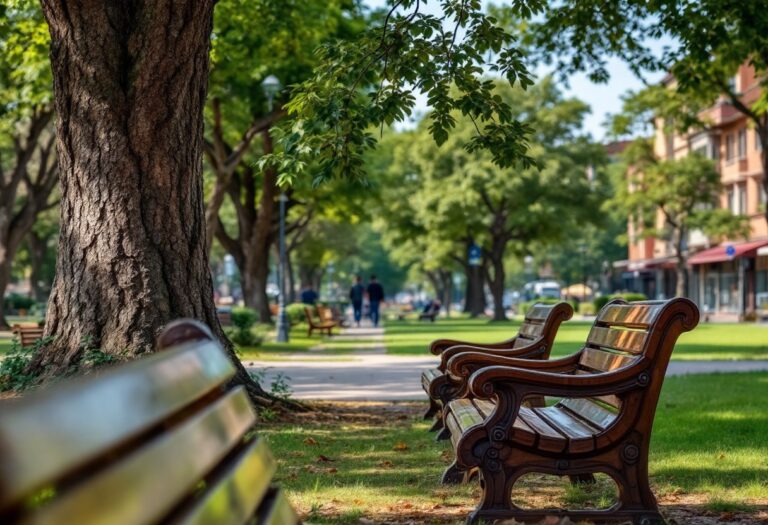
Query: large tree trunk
130, 82
254, 277
496, 285
474, 294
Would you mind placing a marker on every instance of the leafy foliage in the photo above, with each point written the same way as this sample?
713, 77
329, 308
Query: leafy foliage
372, 81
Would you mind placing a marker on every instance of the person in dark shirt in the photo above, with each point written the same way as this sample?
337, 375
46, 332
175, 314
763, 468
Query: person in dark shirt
356, 294
375, 296
308, 295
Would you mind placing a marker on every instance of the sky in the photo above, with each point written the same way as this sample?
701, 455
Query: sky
603, 99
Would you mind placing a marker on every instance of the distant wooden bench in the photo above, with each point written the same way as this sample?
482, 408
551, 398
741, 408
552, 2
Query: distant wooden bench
158, 440
430, 314
602, 423
225, 317
533, 341
312, 325
329, 314
27, 334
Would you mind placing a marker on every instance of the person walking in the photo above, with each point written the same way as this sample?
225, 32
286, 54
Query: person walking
375, 296
356, 294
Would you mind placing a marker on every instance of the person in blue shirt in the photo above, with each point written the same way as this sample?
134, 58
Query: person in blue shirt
356, 294
308, 295
375, 296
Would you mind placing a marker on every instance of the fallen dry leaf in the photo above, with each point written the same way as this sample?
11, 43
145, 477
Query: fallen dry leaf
324, 459
310, 441
400, 446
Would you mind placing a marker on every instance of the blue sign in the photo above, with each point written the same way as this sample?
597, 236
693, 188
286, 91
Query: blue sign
730, 251
475, 254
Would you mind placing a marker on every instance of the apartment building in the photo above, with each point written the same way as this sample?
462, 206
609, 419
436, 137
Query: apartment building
728, 277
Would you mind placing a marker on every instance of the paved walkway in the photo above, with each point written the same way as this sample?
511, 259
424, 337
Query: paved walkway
371, 374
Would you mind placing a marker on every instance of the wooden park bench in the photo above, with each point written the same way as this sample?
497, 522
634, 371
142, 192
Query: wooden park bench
27, 333
602, 423
158, 440
312, 325
533, 341
328, 314
225, 317
431, 313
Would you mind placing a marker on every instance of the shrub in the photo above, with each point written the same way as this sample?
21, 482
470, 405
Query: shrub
243, 336
295, 312
586, 309
601, 301
13, 368
244, 318
16, 301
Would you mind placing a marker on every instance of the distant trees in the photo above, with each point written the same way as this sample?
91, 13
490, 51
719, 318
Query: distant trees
457, 198
28, 164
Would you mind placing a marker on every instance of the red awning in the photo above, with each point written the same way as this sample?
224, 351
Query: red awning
720, 253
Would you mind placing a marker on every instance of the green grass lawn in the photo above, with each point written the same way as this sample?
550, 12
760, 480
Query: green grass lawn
709, 453
706, 342
301, 343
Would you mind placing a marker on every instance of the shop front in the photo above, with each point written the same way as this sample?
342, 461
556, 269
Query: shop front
730, 281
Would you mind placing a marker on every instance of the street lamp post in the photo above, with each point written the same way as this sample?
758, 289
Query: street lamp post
272, 86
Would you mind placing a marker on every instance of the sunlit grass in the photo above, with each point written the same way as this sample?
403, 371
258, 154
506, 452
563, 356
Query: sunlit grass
706, 342
708, 447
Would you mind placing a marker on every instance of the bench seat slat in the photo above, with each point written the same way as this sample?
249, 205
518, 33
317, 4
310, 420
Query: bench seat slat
589, 411
153, 480
428, 376
547, 437
539, 312
45, 435
623, 340
235, 496
580, 435
629, 315
531, 330
521, 341
602, 361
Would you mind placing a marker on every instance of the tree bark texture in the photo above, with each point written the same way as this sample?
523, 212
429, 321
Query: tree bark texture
17, 213
474, 293
130, 81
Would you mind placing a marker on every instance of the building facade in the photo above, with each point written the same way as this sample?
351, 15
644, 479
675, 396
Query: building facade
728, 277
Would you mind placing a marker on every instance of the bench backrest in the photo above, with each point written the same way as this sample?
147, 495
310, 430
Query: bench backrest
157, 440
27, 333
541, 323
310, 317
624, 333
324, 313
225, 317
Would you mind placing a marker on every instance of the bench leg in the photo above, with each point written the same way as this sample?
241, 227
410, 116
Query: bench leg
437, 425
443, 434
432, 410
452, 475
496, 500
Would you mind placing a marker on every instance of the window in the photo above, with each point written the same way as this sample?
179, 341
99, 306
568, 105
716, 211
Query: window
742, 188
762, 198
743, 143
732, 200
729, 147
758, 144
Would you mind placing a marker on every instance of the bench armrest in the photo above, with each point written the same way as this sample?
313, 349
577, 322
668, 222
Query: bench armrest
438, 346
463, 365
523, 382
532, 351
